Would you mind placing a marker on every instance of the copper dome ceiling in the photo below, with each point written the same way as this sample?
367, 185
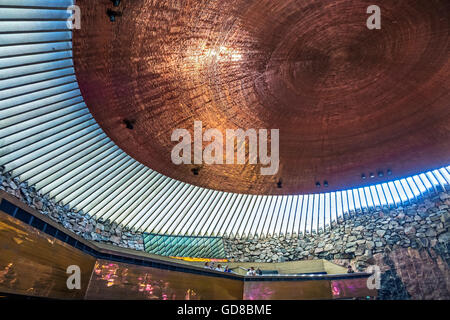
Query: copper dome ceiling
347, 100
49, 140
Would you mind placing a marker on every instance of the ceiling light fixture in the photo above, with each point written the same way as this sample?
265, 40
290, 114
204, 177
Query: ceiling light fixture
113, 14
129, 124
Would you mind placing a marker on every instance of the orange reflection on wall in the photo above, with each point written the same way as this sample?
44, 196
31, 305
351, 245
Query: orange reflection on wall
33, 263
8, 276
126, 281
109, 273
349, 288
287, 290
147, 287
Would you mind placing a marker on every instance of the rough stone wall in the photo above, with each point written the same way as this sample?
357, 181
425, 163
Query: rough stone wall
410, 244
419, 225
413, 274
78, 222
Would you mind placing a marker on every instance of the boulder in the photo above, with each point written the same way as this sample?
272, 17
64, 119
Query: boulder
431, 233
380, 233
410, 231
444, 238
370, 244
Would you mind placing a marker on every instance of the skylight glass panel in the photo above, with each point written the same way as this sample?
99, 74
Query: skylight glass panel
209, 224
238, 214
361, 197
129, 201
387, 194
225, 213
119, 176
339, 205
172, 215
121, 191
439, 178
191, 223
133, 217
445, 174
400, 191
256, 215
226, 226
294, 219
200, 228
374, 196
358, 200
154, 213
345, 203
267, 205
419, 184
273, 215
368, 197
303, 213
328, 208
394, 193
312, 208
321, 211
413, 185
288, 215
244, 227
381, 196
279, 215
426, 181
406, 189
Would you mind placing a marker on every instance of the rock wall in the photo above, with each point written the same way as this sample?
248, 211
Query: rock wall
78, 222
419, 225
410, 244
413, 274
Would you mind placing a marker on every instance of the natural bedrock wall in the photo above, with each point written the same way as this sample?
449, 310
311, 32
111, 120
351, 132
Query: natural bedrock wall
409, 244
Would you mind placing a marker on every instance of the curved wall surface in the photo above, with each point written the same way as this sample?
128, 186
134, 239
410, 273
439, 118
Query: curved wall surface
38, 259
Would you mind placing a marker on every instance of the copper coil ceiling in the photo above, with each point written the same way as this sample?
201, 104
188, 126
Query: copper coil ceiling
49, 139
347, 100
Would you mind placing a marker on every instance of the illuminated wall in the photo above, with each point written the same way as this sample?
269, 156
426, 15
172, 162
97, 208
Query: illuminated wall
184, 246
126, 281
33, 263
338, 288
